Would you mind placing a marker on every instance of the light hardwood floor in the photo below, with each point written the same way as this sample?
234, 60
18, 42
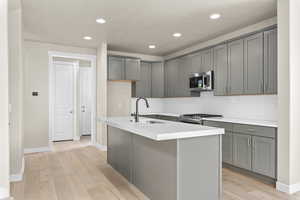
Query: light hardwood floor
75, 171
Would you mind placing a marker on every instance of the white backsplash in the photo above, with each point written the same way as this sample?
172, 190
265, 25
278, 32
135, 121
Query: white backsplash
259, 107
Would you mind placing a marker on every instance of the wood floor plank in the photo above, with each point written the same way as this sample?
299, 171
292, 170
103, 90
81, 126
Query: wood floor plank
75, 171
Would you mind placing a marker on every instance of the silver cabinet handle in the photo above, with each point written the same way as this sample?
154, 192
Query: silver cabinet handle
249, 142
71, 112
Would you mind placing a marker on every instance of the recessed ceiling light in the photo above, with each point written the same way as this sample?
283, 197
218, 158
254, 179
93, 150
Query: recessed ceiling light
152, 46
87, 37
101, 21
215, 16
177, 34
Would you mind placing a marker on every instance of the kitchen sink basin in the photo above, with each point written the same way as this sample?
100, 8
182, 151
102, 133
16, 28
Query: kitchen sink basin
147, 122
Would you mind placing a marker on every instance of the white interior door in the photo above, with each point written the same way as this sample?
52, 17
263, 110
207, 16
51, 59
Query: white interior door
85, 100
63, 101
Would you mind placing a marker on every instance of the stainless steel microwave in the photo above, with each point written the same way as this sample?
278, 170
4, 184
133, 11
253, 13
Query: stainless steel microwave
202, 81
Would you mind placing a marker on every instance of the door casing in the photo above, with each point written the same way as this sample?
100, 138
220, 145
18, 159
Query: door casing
92, 59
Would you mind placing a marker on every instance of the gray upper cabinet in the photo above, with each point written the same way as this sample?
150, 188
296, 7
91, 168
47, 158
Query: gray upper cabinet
171, 78
184, 72
220, 70
253, 64
242, 151
143, 86
121, 68
132, 69
263, 156
236, 67
196, 63
157, 82
270, 61
116, 67
206, 60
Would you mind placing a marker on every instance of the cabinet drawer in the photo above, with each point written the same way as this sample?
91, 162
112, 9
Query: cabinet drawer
226, 126
255, 130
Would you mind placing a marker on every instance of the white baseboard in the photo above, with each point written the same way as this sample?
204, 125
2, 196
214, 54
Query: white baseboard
290, 189
4, 193
101, 147
18, 177
37, 150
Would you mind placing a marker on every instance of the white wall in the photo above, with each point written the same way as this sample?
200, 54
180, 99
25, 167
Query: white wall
15, 43
36, 78
119, 98
156, 106
4, 129
288, 96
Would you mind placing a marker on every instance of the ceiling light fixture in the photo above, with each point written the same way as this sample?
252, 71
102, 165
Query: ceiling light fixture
215, 16
87, 38
177, 34
152, 46
101, 21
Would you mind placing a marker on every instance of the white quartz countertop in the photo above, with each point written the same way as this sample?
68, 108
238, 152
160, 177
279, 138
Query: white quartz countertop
272, 124
166, 130
255, 122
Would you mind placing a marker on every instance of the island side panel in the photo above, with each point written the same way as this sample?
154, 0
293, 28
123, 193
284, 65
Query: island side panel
154, 167
119, 151
199, 168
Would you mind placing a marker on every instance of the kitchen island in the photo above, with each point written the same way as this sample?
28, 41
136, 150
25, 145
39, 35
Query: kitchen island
167, 160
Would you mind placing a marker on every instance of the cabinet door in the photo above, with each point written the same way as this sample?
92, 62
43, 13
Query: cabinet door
242, 151
227, 147
220, 70
157, 76
143, 86
132, 69
263, 156
183, 87
116, 68
253, 64
270, 61
206, 60
236, 67
171, 78
196, 63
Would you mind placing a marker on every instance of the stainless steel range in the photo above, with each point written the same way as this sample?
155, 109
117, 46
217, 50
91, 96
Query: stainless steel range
196, 118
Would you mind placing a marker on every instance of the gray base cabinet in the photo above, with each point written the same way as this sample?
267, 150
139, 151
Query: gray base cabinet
249, 147
263, 156
168, 170
242, 151
227, 144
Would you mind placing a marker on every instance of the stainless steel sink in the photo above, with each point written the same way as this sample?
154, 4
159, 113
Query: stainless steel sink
147, 122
